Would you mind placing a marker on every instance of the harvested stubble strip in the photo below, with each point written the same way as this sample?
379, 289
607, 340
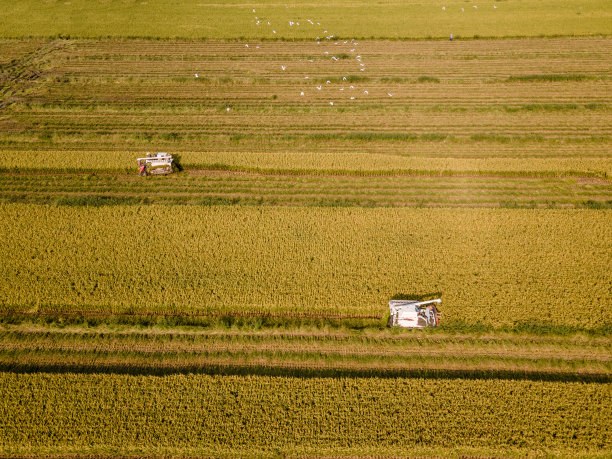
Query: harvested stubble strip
184, 353
241, 187
384, 342
472, 107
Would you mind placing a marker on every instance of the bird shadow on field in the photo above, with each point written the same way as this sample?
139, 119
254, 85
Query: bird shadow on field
416, 296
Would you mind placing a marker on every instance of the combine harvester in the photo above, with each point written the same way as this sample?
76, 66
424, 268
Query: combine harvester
158, 164
414, 314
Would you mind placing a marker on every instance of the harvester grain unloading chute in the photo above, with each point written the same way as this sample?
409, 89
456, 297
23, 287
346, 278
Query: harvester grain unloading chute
157, 164
414, 314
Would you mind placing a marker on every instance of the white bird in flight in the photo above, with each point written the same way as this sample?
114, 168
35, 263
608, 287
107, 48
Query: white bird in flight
331, 103
319, 87
302, 93
196, 75
366, 92
283, 67
227, 109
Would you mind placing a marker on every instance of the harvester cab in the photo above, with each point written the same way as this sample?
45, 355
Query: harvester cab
157, 164
414, 314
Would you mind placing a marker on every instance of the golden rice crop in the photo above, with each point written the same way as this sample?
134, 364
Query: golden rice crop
62, 413
490, 266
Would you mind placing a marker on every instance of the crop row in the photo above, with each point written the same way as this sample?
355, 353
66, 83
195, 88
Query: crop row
356, 163
491, 266
60, 413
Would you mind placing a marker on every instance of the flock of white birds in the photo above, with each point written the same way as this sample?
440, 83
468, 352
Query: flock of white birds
334, 55
328, 38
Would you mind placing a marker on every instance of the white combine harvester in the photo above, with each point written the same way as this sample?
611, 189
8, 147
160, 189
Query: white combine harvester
157, 164
414, 314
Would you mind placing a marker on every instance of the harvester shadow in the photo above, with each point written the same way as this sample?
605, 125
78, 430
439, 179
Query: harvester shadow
305, 373
416, 296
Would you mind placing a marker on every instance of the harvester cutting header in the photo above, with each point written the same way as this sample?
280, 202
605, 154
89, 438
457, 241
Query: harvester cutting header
157, 164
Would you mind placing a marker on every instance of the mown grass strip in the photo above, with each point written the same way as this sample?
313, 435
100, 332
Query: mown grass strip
399, 21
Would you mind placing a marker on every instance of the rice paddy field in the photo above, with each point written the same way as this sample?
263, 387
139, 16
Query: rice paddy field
346, 154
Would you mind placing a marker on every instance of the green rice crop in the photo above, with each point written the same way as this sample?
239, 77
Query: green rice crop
343, 18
